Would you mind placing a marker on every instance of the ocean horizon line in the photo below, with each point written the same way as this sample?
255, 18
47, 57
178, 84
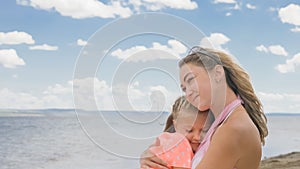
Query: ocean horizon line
49, 110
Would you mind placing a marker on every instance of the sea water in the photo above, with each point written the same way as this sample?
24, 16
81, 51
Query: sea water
106, 140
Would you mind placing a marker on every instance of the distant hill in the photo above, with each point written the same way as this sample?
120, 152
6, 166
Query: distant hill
282, 114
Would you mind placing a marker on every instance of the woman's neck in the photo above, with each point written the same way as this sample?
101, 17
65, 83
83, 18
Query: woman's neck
218, 107
230, 96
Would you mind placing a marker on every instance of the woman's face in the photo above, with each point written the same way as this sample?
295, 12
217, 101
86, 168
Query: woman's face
195, 82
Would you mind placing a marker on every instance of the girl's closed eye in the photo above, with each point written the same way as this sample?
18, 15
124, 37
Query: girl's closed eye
188, 130
205, 130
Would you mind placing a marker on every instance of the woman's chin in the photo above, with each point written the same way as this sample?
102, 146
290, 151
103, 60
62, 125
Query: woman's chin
202, 108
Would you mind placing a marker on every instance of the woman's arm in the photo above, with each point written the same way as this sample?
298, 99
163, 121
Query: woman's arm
235, 144
224, 149
148, 159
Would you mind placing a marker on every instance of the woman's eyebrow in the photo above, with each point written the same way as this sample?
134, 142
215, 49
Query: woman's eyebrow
186, 75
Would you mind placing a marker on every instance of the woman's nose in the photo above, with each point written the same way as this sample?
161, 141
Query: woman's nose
188, 91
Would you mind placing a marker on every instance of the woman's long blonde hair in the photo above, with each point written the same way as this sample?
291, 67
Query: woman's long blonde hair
237, 79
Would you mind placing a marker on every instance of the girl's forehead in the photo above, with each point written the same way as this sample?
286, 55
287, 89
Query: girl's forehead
187, 113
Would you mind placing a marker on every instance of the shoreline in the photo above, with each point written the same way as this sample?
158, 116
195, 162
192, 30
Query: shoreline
283, 161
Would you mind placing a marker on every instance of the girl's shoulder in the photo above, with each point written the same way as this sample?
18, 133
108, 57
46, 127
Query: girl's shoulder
167, 137
175, 149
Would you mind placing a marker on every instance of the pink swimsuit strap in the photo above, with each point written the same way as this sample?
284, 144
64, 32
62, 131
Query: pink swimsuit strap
218, 121
221, 117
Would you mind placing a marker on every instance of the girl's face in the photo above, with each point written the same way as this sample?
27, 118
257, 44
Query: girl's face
192, 125
195, 82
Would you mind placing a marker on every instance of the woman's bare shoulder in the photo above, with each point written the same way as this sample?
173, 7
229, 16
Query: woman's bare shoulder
239, 127
239, 120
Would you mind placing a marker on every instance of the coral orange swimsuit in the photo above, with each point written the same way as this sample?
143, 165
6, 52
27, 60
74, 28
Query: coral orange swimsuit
175, 149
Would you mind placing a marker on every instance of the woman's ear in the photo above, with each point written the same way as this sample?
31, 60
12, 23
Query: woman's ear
219, 73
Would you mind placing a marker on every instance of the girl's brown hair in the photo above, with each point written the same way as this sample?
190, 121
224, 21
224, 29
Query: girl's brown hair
180, 104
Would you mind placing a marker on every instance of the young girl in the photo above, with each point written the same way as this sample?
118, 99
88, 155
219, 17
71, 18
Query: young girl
190, 125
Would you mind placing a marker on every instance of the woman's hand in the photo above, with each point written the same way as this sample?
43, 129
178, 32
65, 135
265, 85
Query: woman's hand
149, 160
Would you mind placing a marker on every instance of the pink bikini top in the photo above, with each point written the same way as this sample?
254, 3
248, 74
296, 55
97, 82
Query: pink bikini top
218, 121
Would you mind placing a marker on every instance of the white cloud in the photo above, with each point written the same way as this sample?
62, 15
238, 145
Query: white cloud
20, 100
121, 96
137, 98
230, 5
10, 59
15, 37
225, 1
15, 76
124, 54
280, 102
154, 5
296, 29
274, 49
236, 7
81, 42
59, 89
278, 50
262, 48
273, 9
215, 40
91, 94
228, 14
136, 83
290, 14
290, 65
43, 47
59, 96
175, 48
26, 100
136, 4
79, 9
249, 6
162, 98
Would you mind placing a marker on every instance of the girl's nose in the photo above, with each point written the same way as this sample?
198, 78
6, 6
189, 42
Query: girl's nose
196, 137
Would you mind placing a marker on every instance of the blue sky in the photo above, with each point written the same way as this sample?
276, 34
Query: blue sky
40, 42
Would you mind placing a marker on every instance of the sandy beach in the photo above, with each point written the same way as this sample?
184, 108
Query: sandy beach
285, 161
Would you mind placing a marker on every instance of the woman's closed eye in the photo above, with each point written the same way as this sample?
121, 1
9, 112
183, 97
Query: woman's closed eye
190, 79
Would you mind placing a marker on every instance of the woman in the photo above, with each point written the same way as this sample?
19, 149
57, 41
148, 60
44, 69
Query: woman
211, 80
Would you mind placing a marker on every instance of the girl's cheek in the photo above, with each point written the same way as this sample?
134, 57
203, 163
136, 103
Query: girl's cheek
189, 136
